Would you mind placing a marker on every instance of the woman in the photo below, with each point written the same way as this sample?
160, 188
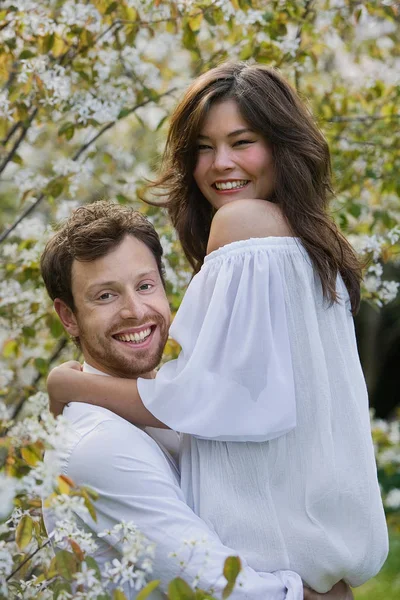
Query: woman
269, 355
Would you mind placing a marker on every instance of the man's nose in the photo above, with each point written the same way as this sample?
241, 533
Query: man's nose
223, 159
133, 307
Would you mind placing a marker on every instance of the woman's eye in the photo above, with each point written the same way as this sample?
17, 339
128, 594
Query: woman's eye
203, 147
242, 142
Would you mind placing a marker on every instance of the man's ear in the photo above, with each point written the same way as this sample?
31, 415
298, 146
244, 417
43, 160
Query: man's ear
67, 317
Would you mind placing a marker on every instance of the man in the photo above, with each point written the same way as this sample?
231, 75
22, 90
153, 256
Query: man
103, 271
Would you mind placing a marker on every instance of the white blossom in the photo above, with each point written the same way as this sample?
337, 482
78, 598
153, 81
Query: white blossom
6, 565
5, 110
86, 576
80, 15
66, 529
8, 486
392, 500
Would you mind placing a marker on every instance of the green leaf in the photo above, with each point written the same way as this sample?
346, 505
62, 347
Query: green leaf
113, 6
48, 42
41, 365
67, 130
119, 595
28, 332
17, 159
31, 455
92, 564
195, 20
10, 348
232, 569
89, 504
23, 534
67, 564
178, 589
26, 54
189, 38
146, 591
61, 586
55, 187
56, 328
124, 113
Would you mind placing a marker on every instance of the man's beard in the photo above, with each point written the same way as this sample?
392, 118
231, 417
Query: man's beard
104, 350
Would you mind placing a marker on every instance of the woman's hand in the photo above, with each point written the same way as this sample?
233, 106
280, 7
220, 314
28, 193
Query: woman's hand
57, 385
340, 591
67, 383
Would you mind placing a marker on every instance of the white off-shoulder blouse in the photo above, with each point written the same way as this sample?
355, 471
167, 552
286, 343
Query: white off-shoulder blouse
279, 459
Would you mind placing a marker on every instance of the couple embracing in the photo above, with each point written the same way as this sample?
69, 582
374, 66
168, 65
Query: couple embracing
276, 458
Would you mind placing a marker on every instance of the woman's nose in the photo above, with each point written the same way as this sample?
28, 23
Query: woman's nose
223, 159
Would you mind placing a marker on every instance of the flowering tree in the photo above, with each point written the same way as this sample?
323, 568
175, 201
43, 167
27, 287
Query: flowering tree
86, 90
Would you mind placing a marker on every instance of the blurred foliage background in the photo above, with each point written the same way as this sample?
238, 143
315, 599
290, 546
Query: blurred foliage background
86, 88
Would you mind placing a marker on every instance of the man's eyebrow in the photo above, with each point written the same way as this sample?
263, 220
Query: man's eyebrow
231, 134
100, 284
112, 282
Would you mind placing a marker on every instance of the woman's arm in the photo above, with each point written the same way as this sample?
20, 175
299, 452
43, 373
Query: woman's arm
68, 383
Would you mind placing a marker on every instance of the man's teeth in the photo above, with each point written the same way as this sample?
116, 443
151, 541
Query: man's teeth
134, 337
230, 185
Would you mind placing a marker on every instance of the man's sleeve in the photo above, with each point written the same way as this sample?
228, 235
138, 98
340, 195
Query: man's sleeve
134, 481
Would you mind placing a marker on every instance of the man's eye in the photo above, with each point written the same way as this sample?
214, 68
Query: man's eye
145, 287
105, 296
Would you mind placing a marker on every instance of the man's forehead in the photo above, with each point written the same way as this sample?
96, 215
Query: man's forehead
131, 259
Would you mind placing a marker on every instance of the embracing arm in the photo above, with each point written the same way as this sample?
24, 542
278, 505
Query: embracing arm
67, 382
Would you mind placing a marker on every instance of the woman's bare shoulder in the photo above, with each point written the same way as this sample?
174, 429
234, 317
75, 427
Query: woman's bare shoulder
244, 219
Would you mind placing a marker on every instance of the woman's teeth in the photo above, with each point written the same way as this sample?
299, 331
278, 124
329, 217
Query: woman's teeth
231, 185
134, 337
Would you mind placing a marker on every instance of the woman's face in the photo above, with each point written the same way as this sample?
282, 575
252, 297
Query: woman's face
233, 162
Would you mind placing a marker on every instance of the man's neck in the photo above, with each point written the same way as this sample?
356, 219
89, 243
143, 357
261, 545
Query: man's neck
88, 368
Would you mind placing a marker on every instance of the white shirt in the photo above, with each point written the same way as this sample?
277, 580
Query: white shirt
265, 358
137, 480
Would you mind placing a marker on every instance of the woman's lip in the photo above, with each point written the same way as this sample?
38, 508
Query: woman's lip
232, 190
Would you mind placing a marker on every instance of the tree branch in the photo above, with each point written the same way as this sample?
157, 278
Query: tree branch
47, 542
60, 347
112, 123
19, 140
76, 156
362, 118
9, 135
22, 216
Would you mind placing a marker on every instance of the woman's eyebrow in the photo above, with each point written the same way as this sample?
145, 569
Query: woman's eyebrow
231, 134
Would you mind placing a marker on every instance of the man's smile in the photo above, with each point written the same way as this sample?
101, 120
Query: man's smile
139, 337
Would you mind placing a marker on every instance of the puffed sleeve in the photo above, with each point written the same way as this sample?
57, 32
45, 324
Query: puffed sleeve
233, 380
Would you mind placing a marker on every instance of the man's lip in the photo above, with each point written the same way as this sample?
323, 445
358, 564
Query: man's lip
151, 326
139, 344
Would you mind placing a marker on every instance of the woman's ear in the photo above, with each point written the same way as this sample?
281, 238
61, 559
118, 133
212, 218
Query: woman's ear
67, 317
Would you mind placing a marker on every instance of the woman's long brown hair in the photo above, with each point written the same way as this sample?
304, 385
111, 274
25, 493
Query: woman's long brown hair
303, 187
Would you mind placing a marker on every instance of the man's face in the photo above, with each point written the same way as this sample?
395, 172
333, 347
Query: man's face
122, 314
